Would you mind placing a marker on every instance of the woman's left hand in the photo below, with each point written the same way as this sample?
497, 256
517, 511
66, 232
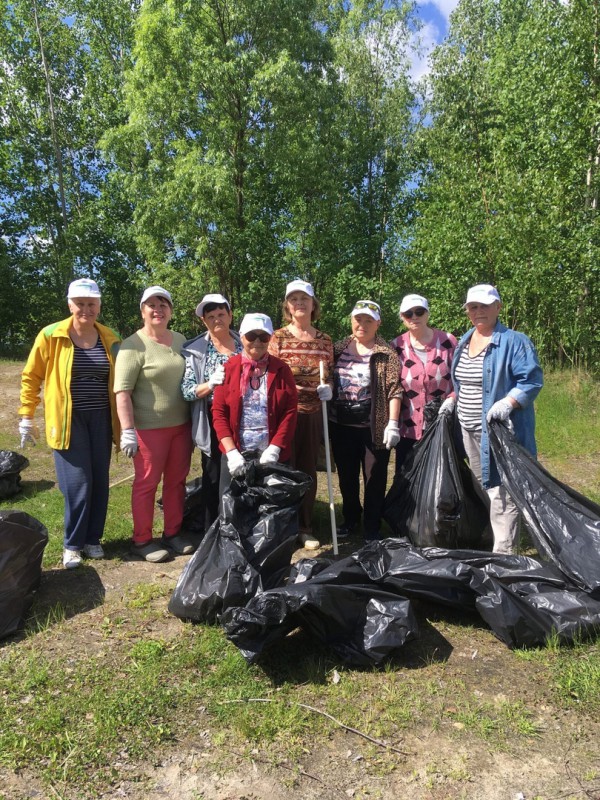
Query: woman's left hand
270, 455
391, 434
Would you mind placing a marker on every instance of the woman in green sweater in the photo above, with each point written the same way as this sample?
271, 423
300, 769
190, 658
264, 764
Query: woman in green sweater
156, 427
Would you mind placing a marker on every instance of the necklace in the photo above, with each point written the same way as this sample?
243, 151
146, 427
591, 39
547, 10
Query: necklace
256, 377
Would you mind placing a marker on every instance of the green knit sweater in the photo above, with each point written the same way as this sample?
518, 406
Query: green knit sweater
152, 373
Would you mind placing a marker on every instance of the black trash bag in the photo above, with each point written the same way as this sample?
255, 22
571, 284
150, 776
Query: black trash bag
22, 543
248, 548
433, 500
522, 600
564, 525
11, 465
361, 624
307, 568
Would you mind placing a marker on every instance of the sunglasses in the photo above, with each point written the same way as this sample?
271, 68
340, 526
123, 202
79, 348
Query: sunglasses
418, 312
252, 336
367, 304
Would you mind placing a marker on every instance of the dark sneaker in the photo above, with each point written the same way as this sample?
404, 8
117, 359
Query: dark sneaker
151, 551
345, 531
178, 544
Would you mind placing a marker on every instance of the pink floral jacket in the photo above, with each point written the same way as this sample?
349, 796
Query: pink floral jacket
422, 382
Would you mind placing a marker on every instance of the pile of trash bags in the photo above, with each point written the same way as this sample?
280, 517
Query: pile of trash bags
361, 606
11, 466
249, 547
22, 542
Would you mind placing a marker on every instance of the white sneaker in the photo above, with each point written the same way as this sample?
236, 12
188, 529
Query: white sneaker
71, 559
93, 551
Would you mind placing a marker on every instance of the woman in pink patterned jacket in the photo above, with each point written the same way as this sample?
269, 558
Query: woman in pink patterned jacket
425, 357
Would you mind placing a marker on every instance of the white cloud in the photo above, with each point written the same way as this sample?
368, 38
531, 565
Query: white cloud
423, 43
445, 7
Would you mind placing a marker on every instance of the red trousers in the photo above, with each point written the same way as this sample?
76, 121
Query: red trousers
163, 453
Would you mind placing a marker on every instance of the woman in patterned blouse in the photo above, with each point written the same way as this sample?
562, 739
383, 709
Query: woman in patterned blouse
302, 347
425, 356
205, 359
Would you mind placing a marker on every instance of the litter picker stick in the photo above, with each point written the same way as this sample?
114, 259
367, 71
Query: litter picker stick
328, 464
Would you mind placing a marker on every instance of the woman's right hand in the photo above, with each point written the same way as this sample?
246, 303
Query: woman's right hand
235, 462
28, 431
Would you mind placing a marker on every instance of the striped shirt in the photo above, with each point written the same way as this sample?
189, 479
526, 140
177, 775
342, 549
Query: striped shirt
469, 372
89, 377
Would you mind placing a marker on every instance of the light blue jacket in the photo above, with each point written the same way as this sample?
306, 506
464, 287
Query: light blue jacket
194, 352
510, 367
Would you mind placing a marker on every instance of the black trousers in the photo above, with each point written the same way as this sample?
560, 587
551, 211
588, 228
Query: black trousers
354, 451
211, 472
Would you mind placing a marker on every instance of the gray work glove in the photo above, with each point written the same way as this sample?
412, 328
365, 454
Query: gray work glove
324, 391
129, 442
28, 431
391, 434
217, 378
270, 455
501, 410
235, 463
447, 407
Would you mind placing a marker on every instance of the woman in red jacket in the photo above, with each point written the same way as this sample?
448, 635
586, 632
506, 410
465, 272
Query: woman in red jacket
255, 409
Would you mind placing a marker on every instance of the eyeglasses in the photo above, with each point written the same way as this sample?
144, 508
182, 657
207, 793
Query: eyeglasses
262, 337
417, 312
368, 304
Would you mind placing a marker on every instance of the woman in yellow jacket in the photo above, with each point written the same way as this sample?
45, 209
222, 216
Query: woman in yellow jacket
75, 360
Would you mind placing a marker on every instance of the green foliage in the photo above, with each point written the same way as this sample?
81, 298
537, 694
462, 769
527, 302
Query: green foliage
510, 184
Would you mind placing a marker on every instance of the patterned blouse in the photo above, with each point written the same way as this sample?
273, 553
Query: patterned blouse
422, 382
303, 357
214, 359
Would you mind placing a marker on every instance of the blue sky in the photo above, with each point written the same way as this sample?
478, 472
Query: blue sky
435, 16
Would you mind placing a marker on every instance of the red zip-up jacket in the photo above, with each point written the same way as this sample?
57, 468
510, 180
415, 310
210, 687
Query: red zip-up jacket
282, 405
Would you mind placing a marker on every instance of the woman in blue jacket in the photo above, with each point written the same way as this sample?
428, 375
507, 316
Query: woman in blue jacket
496, 375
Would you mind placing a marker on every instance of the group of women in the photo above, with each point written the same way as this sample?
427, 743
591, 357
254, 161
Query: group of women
258, 394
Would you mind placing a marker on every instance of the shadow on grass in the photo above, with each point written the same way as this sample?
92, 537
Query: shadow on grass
61, 594
33, 488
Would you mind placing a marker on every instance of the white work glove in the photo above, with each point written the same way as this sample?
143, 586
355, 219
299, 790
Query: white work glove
391, 434
217, 378
235, 462
129, 442
447, 406
501, 410
324, 391
270, 455
28, 432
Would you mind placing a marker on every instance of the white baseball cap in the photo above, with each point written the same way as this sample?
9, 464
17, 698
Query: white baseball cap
483, 293
298, 285
256, 322
413, 301
84, 287
155, 291
218, 299
368, 307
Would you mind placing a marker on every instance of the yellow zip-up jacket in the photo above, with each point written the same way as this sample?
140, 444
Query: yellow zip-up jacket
50, 362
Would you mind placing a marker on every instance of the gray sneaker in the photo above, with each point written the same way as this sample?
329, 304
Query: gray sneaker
178, 544
93, 550
151, 551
